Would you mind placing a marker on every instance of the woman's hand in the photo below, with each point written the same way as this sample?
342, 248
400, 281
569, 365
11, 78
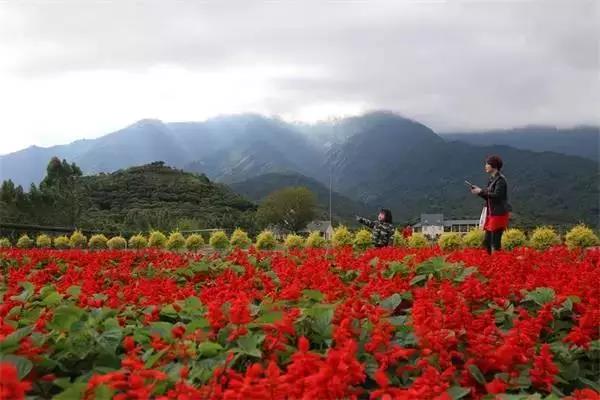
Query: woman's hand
475, 190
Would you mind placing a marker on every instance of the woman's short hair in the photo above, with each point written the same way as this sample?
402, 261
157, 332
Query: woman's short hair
494, 162
387, 215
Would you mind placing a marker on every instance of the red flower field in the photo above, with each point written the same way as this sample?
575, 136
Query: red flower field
386, 323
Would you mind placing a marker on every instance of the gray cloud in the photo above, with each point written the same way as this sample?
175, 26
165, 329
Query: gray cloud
452, 65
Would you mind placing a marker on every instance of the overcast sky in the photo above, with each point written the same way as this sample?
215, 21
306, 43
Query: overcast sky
74, 69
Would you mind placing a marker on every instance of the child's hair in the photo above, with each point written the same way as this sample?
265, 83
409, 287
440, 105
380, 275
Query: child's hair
387, 215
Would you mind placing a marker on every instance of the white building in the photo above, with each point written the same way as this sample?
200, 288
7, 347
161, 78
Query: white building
323, 227
433, 225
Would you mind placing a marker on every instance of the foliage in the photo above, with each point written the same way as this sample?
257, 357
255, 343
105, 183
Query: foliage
312, 324
474, 238
117, 242
581, 236
543, 238
176, 241
399, 240
363, 239
316, 240
239, 238
98, 242
266, 240
418, 241
62, 242
136, 199
293, 241
289, 208
24, 242
43, 241
77, 240
450, 241
5, 243
194, 242
138, 241
218, 240
341, 237
157, 240
513, 238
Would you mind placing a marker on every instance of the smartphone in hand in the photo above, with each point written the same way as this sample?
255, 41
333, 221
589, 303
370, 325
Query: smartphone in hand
469, 184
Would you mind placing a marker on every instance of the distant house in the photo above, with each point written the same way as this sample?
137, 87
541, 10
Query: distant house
433, 225
323, 227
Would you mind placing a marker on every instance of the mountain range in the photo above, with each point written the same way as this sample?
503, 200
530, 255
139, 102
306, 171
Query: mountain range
379, 159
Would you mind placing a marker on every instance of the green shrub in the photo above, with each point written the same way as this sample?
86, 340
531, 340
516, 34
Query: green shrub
157, 239
315, 240
62, 242
24, 242
266, 240
543, 238
581, 236
513, 238
43, 241
474, 238
117, 243
450, 241
399, 240
294, 241
176, 241
240, 239
418, 241
98, 242
194, 242
78, 240
4, 243
138, 241
341, 237
363, 240
218, 240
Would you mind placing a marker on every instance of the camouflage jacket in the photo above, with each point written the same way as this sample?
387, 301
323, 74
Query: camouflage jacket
382, 232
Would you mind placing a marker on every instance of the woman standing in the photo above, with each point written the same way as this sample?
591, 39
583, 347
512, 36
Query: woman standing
497, 207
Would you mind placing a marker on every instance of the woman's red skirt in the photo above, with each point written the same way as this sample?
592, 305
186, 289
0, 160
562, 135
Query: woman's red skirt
496, 222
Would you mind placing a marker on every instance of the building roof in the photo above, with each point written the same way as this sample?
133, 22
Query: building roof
452, 222
432, 219
320, 226
438, 220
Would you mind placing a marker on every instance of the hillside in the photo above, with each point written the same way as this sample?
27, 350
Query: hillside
379, 159
145, 197
580, 141
344, 208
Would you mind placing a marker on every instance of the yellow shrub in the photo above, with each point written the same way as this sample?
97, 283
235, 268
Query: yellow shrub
294, 241
138, 241
62, 242
24, 242
399, 239
450, 241
176, 241
341, 237
581, 236
266, 240
157, 240
218, 240
363, 239
194, 242
4, 243
543, 238
98, 242
43, 241
78, 240
117, 243
240, 239
315, 240
418, 241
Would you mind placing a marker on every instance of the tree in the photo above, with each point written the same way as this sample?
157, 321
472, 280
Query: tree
289, 208
63, 186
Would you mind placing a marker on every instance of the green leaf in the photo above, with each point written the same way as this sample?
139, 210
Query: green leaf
590, 383
52, 299
169, 311
74, 291
22, 364
458, 392
313, 294
197, 323
570, 372
391, 302
192, 303
65, 317
270, 317
110, 340
249, 343
103, 392
73, 392
162, 328
209, 349
476, 374
417, 279
28, 290
14, 338
541, 295
154, 358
